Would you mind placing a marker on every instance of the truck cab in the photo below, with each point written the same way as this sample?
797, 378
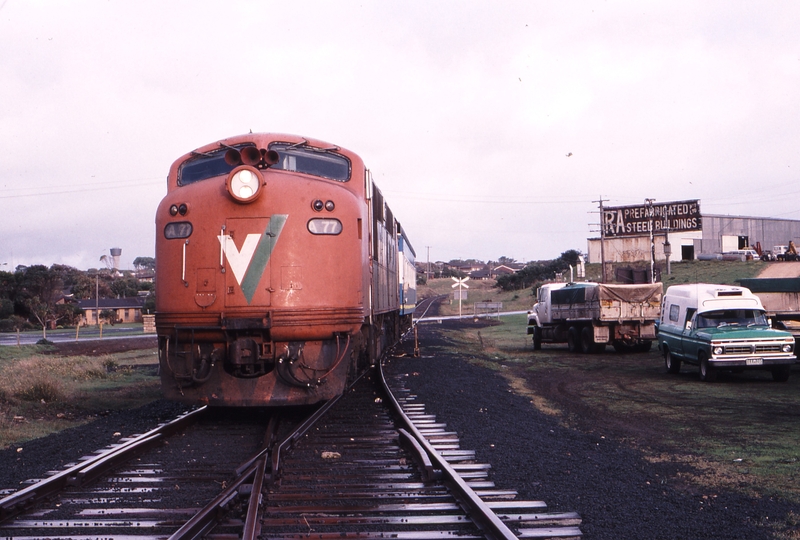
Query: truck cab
719, 327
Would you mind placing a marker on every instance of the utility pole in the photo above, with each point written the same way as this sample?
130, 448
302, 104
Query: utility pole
602, 239
428, 271
650, 213
667, 247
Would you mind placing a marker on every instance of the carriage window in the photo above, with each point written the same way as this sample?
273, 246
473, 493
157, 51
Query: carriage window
307, 160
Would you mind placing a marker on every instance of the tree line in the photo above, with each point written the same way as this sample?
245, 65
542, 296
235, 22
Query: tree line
538, 272
38, 296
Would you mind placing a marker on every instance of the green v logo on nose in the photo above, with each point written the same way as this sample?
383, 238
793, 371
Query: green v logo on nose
249, 263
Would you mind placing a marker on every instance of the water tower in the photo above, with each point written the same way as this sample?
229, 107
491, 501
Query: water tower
116, 253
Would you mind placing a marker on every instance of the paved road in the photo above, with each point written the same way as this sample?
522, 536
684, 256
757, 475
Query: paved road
60, 337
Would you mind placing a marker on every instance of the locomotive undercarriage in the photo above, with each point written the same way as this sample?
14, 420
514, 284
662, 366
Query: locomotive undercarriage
194, 355
241, 364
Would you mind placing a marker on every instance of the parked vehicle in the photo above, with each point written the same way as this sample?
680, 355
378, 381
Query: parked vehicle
781, 300
786, 253
720, 327
589, 316
743, 254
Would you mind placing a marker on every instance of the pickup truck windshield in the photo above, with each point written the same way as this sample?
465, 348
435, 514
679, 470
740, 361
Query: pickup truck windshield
734, 317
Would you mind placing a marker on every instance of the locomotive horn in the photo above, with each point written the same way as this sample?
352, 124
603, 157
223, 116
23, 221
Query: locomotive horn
271, 157
233, 157
250, 155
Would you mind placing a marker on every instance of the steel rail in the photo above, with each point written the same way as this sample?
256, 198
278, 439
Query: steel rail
87, 470
210, 515
215, 511
480, 512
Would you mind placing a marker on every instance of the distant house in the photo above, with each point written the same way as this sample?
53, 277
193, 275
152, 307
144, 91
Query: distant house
482, 274
128, 309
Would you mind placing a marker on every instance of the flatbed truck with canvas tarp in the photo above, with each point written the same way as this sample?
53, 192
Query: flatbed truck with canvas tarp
781, 300
589, 316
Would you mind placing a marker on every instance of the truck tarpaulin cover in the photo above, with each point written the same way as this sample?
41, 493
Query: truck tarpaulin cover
647, 292
575, 293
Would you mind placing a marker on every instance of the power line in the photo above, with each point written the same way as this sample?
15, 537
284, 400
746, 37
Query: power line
100, 186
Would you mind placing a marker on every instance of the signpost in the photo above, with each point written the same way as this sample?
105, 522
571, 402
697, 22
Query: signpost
460, 283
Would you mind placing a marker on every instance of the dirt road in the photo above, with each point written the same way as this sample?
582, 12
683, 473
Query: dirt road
780, 270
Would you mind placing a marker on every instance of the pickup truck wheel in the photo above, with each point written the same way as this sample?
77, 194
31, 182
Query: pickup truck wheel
781, 373
587, 340
672, 364
573, 340
708, 373
537, 338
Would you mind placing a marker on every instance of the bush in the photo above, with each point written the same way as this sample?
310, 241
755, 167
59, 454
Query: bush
42, 389
13, 323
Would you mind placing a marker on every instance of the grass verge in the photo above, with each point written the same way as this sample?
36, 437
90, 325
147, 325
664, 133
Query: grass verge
739, 433
41, 393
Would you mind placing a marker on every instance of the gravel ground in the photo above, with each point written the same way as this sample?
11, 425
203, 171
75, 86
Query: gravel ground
35, 458
617, 492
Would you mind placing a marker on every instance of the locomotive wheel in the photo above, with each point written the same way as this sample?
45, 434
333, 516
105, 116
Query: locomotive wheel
587, 340
573, 340
537, 338
672, 364
708, 373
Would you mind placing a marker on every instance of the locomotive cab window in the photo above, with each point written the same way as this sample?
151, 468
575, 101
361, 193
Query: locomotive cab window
206, 165
307, 160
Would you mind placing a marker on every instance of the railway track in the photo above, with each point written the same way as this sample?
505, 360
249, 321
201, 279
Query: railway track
368, 465
145, 486
366, 470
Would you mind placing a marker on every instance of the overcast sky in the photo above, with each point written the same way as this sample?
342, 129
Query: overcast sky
493, 128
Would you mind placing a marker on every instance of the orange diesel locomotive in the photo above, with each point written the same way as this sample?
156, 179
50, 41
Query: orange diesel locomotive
281, 273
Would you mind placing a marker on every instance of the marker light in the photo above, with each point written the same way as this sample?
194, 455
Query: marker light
244, 184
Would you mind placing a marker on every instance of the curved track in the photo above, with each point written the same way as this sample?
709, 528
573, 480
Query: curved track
370, 464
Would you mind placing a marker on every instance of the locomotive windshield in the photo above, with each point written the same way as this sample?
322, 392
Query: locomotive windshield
205, 166
308, 160
292, 157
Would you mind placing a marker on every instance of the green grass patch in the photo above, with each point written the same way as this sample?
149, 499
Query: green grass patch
742, 429
43, 393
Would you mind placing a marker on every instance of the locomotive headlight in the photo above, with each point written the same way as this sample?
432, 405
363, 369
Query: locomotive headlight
244, 184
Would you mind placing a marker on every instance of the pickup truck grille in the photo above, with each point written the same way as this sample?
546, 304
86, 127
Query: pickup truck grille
753, 348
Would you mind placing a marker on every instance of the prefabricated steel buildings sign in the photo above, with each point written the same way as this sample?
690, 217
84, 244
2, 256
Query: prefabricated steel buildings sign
637, 220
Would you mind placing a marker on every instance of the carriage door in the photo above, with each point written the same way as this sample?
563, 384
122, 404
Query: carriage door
245, 248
